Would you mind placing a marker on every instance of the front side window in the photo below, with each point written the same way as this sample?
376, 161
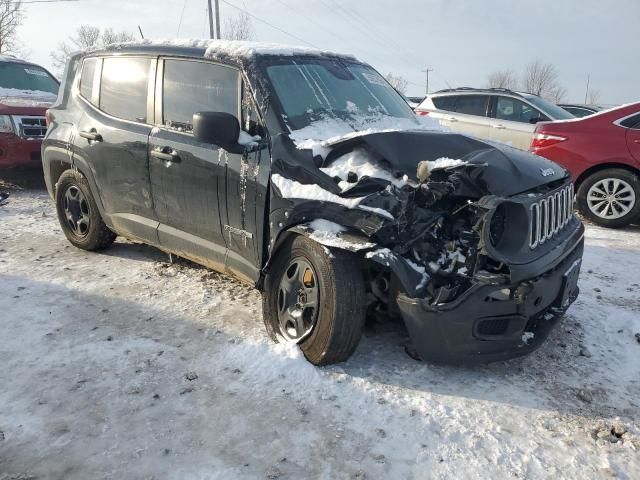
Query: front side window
513, 110
124, 86
191, 87
87, 78
317, 89
473, 104
27, 77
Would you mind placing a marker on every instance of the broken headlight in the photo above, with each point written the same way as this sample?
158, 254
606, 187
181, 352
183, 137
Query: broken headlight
508, 227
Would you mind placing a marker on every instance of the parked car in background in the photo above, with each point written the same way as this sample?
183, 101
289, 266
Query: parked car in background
579, 110
496, 114
330, 196
26, 91
414, 101
602, 152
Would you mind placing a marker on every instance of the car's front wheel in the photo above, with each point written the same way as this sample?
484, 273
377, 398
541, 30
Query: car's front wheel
78, 213
315, 297
610, 198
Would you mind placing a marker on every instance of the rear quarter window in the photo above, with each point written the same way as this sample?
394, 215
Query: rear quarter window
88, 79
631, 122
124, 87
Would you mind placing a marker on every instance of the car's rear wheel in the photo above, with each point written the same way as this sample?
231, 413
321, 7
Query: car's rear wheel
78, 213
610, 198
316, 298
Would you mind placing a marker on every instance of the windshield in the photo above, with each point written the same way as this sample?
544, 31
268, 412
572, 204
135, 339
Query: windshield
23, 76
553, 111
311, 90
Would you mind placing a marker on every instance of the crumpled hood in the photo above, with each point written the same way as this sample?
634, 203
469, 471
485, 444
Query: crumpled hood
496, 168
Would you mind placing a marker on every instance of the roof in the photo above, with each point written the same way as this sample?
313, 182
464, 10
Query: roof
223, 48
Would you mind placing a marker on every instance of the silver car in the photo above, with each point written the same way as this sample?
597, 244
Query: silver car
495, 114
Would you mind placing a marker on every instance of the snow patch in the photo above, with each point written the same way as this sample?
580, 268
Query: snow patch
293, 189
327, 233
360, 162
320, 135
527, 337
444, 162
26, 98
233, 48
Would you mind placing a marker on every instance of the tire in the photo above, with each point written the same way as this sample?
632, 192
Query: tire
625, 207
332, 332
78, 213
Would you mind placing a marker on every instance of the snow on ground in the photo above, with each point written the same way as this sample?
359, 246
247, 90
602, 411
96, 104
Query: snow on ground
121, 365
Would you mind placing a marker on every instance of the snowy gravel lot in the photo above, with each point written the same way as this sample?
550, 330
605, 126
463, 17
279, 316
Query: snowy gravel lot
119, 365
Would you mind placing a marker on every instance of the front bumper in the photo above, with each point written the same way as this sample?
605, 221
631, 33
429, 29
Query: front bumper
491, 322
19, 152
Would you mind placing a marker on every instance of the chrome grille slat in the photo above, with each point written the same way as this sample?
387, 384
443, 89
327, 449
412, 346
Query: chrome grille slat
30, 126
550, 215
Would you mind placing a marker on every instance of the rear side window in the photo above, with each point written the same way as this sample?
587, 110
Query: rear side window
632, 122
191, 87
124, 86
514, 110
447, 103
87, 80
472, 104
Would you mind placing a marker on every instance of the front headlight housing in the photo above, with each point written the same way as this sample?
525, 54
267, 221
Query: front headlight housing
6, 125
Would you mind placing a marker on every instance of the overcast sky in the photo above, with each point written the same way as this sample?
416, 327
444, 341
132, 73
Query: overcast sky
462, 41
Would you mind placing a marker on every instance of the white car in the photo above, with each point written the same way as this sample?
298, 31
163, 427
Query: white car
494, 114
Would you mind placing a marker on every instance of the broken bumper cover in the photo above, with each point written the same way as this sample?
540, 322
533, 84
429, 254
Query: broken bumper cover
490, 323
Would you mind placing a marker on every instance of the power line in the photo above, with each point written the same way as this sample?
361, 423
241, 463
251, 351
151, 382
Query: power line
268, 24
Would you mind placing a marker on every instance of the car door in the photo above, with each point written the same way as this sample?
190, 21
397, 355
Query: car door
471, 115
111, 140
514, 121
188, 177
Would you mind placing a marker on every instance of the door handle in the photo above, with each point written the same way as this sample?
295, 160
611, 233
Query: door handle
91, 135
453, 119
166, 154
499, 126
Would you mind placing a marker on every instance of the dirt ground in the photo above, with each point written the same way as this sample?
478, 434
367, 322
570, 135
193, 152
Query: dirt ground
121, 365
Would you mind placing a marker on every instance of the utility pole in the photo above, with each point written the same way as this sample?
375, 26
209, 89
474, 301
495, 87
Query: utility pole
217, 19
586, 93
427, 70
211, 35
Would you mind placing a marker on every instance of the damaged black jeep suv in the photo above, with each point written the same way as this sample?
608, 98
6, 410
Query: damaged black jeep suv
307, 175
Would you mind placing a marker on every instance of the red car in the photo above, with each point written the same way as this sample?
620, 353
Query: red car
602, 152
26, 91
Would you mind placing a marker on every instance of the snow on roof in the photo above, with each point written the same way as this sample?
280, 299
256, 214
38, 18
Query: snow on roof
233, 48
10, 58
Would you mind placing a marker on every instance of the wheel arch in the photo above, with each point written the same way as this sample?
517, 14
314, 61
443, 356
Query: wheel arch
604, 166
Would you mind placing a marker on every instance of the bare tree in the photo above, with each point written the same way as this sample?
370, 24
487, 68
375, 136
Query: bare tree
593, 97
87, 37
557, 94
542, 79
503, 79
397, 81
10, 20
238, 27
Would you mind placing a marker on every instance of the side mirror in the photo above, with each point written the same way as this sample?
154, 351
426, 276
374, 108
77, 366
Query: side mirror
218, 128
